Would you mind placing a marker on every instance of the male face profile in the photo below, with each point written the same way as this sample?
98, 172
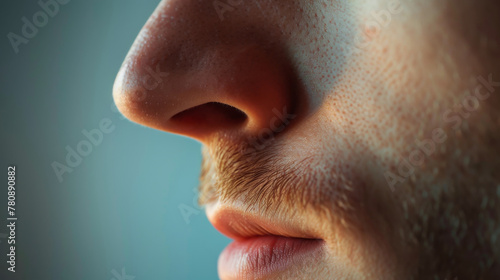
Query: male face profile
342, 139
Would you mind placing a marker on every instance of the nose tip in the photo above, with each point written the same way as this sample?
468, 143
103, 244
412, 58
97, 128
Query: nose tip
178, 78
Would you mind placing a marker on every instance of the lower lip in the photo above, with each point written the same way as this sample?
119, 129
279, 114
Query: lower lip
262, 256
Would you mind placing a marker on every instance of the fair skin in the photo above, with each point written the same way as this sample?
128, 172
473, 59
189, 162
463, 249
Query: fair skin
365, 129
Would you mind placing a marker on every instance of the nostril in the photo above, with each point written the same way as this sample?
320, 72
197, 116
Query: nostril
211, 116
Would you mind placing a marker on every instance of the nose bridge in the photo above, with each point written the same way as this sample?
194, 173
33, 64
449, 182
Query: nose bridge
186, 57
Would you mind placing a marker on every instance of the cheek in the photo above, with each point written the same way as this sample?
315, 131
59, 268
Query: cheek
393, 92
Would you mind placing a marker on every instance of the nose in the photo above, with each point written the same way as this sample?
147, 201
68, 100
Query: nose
191, 73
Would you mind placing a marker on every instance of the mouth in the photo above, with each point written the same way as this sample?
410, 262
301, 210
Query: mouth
262, 248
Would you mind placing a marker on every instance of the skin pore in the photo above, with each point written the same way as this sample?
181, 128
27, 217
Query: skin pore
371, 125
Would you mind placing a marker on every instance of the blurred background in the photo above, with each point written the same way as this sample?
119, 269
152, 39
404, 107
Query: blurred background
121, 208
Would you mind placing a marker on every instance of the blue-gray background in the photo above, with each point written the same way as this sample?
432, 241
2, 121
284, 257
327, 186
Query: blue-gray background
119, 208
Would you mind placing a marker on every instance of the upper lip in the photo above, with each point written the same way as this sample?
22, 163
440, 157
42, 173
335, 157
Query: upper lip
239, 225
